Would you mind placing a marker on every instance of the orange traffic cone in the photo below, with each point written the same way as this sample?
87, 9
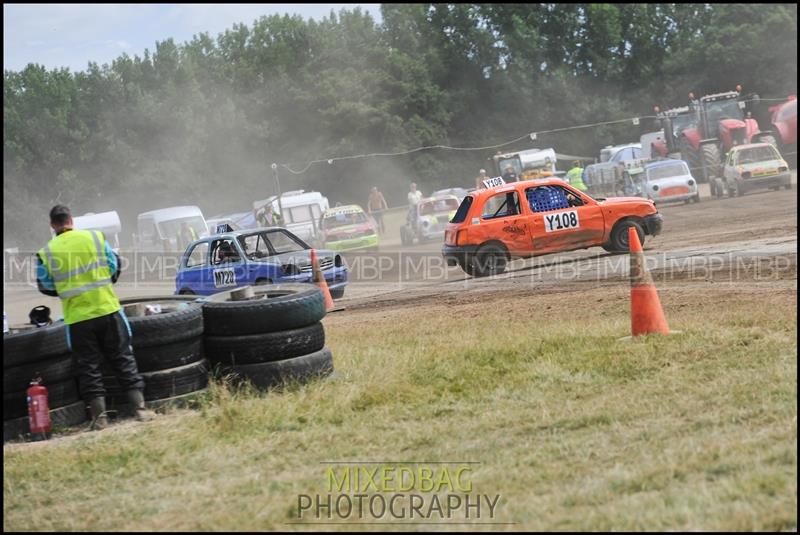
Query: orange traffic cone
647, 315
320, 281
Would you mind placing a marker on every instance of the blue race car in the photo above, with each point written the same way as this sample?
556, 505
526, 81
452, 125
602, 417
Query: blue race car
261, 256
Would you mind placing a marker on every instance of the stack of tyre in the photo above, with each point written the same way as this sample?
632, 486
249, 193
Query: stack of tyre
39, 352
269, 339
168, 347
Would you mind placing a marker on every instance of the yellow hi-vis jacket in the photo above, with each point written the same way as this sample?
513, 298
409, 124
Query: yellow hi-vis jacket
575, 178
76, 261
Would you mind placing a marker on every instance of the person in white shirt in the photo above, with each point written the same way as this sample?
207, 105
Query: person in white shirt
414, 196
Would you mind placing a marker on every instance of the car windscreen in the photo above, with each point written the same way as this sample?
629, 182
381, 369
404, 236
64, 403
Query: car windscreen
667, 171
284, 242
343, 219
172, 227
756, 154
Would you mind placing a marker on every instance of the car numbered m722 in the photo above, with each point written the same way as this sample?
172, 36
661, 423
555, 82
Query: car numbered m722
261, 256
537, 217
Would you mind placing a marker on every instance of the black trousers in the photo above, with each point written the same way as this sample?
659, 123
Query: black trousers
104, 337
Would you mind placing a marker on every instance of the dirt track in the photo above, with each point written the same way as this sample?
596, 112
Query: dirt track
749, 242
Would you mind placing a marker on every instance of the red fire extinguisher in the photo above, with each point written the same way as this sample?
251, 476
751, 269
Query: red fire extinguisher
38, 410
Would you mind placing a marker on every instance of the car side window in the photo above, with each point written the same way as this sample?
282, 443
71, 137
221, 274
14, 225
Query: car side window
548, 198
501, 205
198, 256
223, 252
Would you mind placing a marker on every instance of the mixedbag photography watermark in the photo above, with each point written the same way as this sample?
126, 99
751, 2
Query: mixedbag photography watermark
397, 492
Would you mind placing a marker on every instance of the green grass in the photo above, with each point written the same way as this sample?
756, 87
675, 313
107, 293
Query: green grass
572, 427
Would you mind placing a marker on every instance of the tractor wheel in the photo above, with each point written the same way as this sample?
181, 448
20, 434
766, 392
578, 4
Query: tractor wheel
711, 161
692, 157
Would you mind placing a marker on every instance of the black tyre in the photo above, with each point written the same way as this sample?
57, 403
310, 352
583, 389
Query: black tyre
619, 235
181, 319
35, 344
164, 383
66, 416
466, 266
489, 260
710, 160
787, 186
277, 307
52, 370
272, 374
692, 157
734, 190
186, 291
338, 293
156, 358
15, 404
696, 198
268, 347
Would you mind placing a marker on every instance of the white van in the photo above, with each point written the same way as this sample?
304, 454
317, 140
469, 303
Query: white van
106, 222
300, 210
159, 229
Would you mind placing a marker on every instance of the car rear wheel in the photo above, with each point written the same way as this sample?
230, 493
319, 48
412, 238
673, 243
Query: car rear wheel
619, 236
466, 266
489, 260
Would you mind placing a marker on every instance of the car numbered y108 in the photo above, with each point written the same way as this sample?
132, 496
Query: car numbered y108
536, 217
261, 256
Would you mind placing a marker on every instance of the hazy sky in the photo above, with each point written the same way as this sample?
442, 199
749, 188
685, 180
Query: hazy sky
71, 35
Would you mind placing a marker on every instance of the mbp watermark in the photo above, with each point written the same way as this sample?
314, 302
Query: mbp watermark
398, 492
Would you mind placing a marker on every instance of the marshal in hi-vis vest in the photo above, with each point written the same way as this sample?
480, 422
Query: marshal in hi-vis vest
76, 261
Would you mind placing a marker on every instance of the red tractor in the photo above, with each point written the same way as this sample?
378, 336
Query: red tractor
672, 122
719, 123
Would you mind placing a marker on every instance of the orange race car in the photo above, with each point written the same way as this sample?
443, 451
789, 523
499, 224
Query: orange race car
536, 217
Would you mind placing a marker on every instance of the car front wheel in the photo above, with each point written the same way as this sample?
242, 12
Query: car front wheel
619, 236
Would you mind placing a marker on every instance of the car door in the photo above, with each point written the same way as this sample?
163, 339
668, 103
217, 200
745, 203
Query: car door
193, 267
227, 269
502, 219
563, 219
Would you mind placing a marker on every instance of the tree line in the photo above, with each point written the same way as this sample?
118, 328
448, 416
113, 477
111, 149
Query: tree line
200, 122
